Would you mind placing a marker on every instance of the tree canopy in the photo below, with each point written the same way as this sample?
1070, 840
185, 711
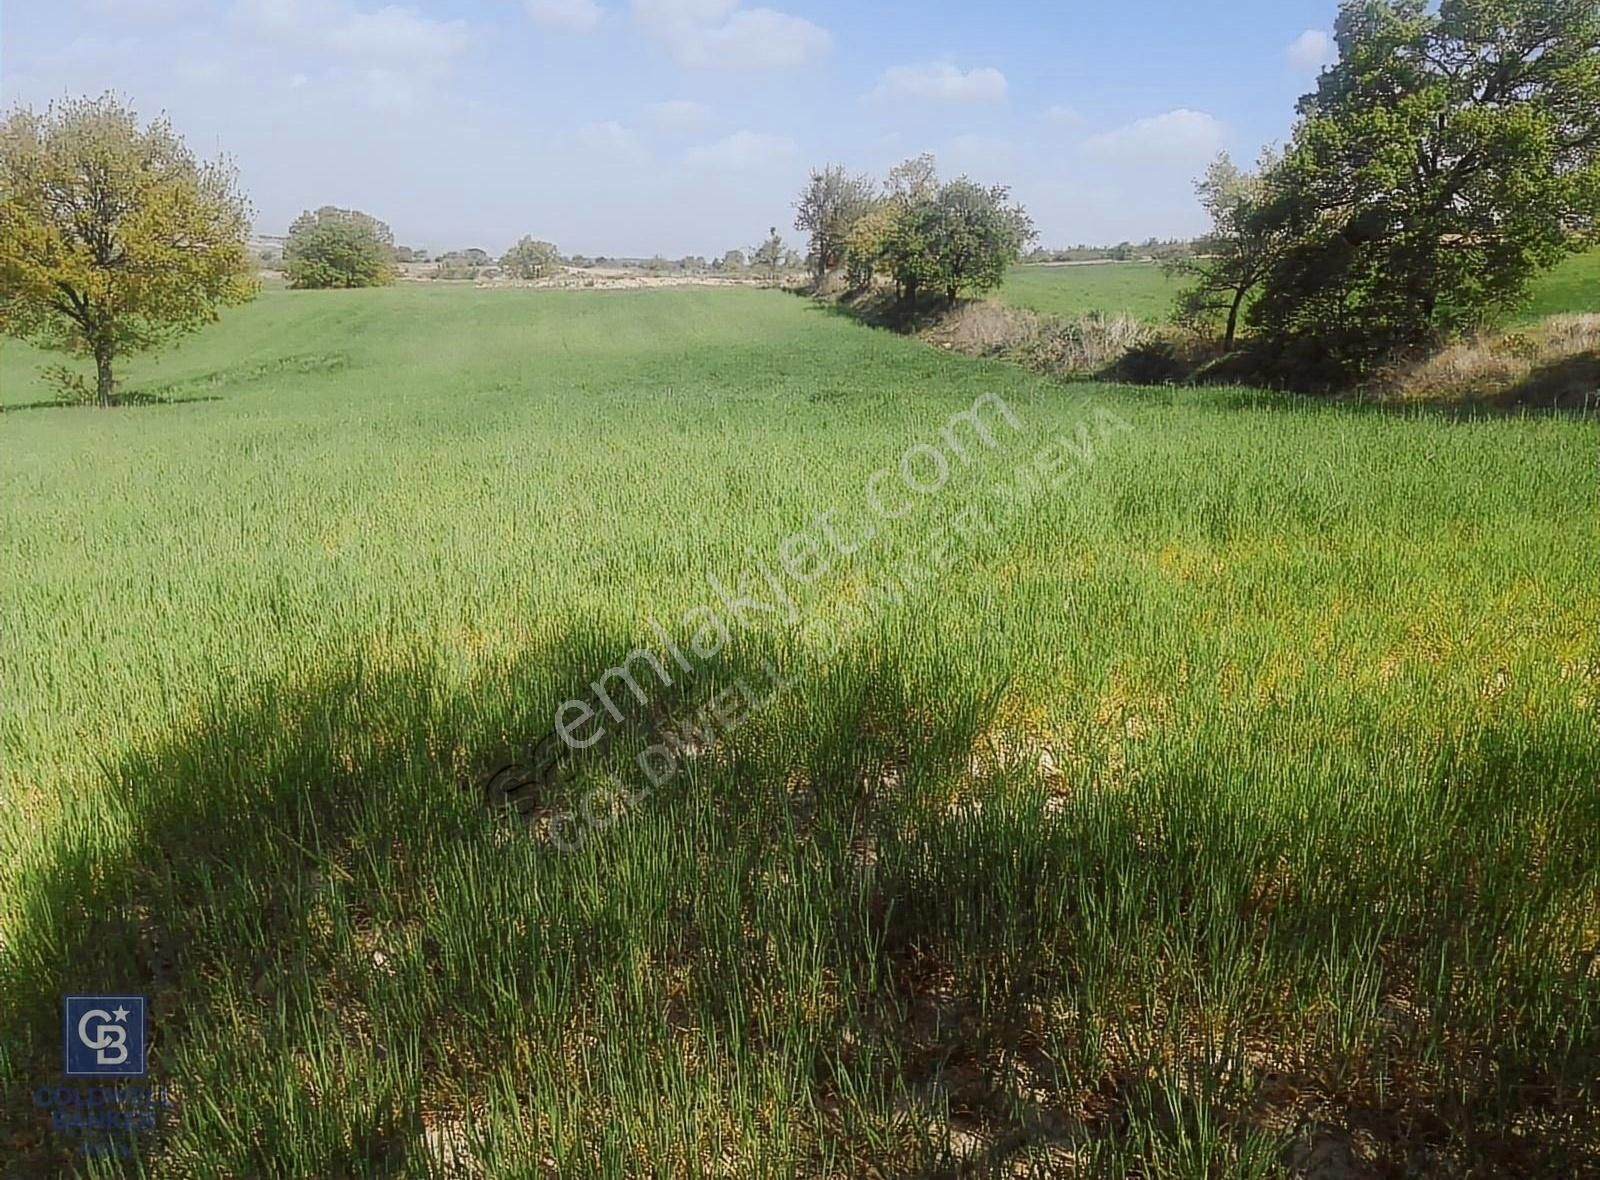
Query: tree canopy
957, 238
1451, 154
113, 238
339, 248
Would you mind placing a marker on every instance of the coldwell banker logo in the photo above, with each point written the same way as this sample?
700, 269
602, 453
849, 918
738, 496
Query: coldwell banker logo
104, 1036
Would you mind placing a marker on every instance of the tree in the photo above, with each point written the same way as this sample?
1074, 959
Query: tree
866, 248
962, 239
733, 261
1451, 154
1244, 243
912, 180
113, 239
339, 248
832, 201
531, 259
769, 255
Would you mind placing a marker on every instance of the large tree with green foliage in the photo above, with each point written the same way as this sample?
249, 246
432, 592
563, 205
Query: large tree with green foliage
113, 238
339, 248
1451, 154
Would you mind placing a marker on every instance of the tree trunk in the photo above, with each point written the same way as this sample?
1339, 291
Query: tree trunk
1233, 321
105, 385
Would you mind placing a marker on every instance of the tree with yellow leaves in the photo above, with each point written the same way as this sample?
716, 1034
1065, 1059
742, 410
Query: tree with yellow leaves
113, 238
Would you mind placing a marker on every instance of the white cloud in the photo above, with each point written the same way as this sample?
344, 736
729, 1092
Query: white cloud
743, 151
677, 114
391, 58
389, 37
691, 12
1178, 137
396, 35
1312, 50
572, 16
718, 34
941, 82
143, 10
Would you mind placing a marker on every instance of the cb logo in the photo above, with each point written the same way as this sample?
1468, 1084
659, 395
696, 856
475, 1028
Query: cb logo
104, 1036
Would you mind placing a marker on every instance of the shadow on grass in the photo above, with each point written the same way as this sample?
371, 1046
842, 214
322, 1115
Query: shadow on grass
942, 962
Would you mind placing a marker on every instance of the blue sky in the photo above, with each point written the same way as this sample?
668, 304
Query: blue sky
684, 126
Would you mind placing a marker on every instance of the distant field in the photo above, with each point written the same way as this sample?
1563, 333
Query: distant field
1142, 290
1138, 289
1233, 788
1572, 286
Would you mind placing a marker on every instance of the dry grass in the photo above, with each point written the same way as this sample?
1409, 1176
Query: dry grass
1080, 346
1553, 363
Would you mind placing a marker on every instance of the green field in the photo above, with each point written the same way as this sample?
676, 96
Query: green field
1143, 290
1177, 784
1572, 286
1139, 289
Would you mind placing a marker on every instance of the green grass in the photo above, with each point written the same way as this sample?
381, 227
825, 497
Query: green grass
1139, 289
1142, 290
1237, 790
1574, 286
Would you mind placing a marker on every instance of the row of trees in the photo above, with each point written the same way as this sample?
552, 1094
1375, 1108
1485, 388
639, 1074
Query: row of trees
955, 237
1451, 154
332, 247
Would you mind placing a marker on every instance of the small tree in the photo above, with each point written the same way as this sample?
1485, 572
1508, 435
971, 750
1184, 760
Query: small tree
866, 249
769, 255
339, 248
883, 228
961, 240
831, 203
113, 239
1244, 243
531, 259
733, 261
912, 180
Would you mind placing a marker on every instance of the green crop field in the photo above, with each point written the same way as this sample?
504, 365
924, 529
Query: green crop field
1143, 290
1572, 286
1107, 782
1139, 289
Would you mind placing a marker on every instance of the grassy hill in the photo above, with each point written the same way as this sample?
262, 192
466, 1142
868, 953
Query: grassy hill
1173, 782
